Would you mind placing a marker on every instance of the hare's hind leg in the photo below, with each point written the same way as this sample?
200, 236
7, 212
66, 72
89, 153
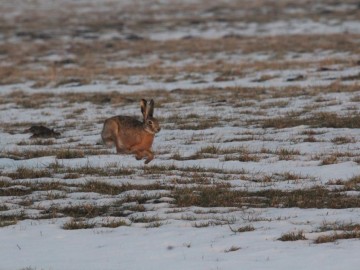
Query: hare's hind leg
110, 135
120, 148
107, 138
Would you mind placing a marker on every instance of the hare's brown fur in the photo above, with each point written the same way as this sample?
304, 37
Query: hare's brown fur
130, 135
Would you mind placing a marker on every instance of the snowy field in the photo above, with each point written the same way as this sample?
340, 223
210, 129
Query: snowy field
257, 164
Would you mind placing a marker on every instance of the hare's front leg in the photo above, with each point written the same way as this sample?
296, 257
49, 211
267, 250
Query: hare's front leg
138, 155
144, 153
150, 156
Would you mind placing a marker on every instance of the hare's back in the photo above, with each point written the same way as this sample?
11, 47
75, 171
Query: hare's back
127, 122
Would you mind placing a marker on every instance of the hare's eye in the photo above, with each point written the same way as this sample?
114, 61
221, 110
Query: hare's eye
150, 122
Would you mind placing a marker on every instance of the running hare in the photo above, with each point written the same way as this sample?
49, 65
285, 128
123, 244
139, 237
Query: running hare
131, 136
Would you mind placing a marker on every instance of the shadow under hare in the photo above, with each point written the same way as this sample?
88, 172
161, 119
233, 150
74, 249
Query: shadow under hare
130, 135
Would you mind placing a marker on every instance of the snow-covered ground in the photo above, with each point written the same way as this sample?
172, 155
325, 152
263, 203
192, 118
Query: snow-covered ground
43, 245
259, 144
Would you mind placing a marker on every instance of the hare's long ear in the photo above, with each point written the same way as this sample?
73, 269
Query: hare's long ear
143, 105
150, 109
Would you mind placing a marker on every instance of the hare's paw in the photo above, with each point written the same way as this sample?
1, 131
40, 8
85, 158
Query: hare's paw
149, 155
148, 161
139, 155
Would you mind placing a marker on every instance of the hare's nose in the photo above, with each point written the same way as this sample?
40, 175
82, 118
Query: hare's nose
158, 129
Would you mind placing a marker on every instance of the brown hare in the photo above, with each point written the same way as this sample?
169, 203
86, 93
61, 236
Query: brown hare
130, 135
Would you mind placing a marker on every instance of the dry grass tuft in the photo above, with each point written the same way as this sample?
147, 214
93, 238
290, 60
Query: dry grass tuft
7, 222
337, 236
342, 140
224, 196
69, 154
232, 249
27, 173
247, 228
102, 188
105, 188
353, 183
339, 226
114, 223
83, 210
323, 119
287, 154
77, 224
293, 236
333, 159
